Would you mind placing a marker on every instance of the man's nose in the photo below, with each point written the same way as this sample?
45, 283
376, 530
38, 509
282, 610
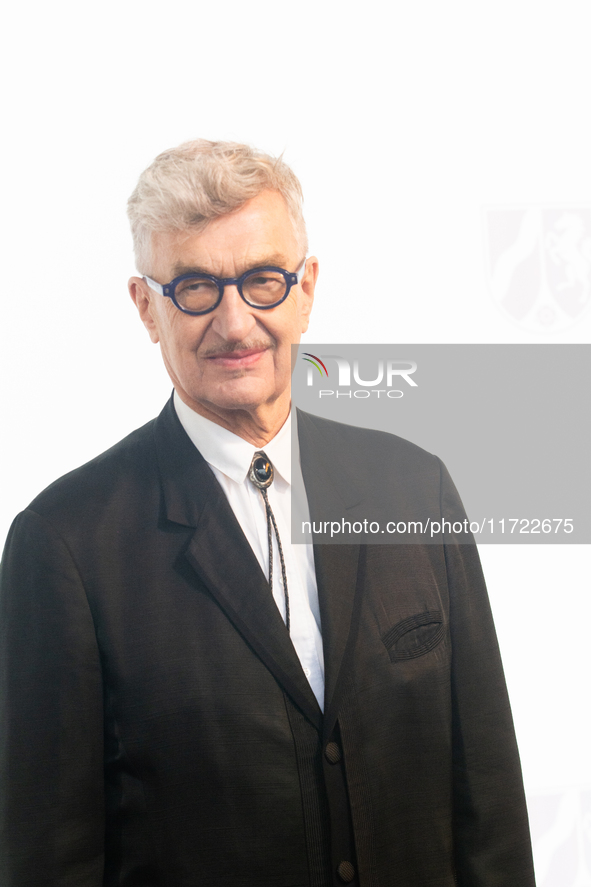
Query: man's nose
233, 319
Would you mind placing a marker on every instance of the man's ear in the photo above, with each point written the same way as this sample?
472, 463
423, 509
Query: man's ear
142, 296
308, 286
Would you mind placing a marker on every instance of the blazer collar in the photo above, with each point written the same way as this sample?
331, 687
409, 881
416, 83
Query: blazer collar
187, 481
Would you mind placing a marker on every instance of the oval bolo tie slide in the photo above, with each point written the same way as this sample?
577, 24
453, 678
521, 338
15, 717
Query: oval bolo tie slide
261, 471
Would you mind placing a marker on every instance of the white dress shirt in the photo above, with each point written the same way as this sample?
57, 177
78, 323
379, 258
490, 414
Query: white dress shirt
229, 457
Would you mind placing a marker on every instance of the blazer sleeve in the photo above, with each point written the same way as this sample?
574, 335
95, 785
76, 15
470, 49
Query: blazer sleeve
51, 716
491, 830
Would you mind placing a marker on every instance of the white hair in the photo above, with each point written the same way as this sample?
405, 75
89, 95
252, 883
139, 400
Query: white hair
186, 187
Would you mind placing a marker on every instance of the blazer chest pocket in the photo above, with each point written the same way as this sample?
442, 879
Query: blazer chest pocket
414, 635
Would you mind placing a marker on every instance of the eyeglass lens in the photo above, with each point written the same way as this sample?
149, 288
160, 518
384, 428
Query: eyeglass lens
259, 288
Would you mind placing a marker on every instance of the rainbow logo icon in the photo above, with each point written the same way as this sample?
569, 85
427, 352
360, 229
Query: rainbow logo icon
315, 361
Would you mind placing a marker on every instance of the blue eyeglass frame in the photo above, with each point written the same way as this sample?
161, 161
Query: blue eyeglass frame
168, 290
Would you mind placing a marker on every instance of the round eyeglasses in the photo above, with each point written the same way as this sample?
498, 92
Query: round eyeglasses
262, 288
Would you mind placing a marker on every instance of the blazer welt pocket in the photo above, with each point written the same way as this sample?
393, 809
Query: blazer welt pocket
414, 635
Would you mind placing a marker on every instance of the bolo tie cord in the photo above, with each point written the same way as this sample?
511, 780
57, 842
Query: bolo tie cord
261, 474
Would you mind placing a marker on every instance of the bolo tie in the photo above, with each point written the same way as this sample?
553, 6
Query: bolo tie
261, 475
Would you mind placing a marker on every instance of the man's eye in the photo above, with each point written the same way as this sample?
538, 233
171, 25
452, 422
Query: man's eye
266, 280
196, 286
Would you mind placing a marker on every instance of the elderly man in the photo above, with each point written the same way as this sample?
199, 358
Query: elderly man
187, 698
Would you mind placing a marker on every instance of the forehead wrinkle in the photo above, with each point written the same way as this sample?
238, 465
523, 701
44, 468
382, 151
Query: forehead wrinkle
277, 259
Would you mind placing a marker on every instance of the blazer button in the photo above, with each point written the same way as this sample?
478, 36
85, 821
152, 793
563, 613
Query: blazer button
346, 872
332, 753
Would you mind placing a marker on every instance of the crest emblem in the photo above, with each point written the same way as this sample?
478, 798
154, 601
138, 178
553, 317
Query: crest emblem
561, 832
539, 264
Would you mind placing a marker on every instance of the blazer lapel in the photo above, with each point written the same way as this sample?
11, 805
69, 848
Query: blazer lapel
222, 558
338, 566
337, 569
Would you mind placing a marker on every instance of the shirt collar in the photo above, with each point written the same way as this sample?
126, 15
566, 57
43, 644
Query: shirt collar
228, 452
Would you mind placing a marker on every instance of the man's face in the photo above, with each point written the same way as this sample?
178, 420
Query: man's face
236, 360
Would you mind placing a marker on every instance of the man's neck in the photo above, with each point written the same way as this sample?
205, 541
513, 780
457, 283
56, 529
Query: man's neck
258, 426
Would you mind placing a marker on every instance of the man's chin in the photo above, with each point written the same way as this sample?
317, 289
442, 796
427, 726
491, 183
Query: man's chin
240, 393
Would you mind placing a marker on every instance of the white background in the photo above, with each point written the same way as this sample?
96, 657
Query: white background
404, 122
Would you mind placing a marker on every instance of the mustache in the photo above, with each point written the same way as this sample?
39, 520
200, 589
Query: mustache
234, 347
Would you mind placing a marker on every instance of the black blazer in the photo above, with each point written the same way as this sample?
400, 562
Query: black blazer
158, 730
